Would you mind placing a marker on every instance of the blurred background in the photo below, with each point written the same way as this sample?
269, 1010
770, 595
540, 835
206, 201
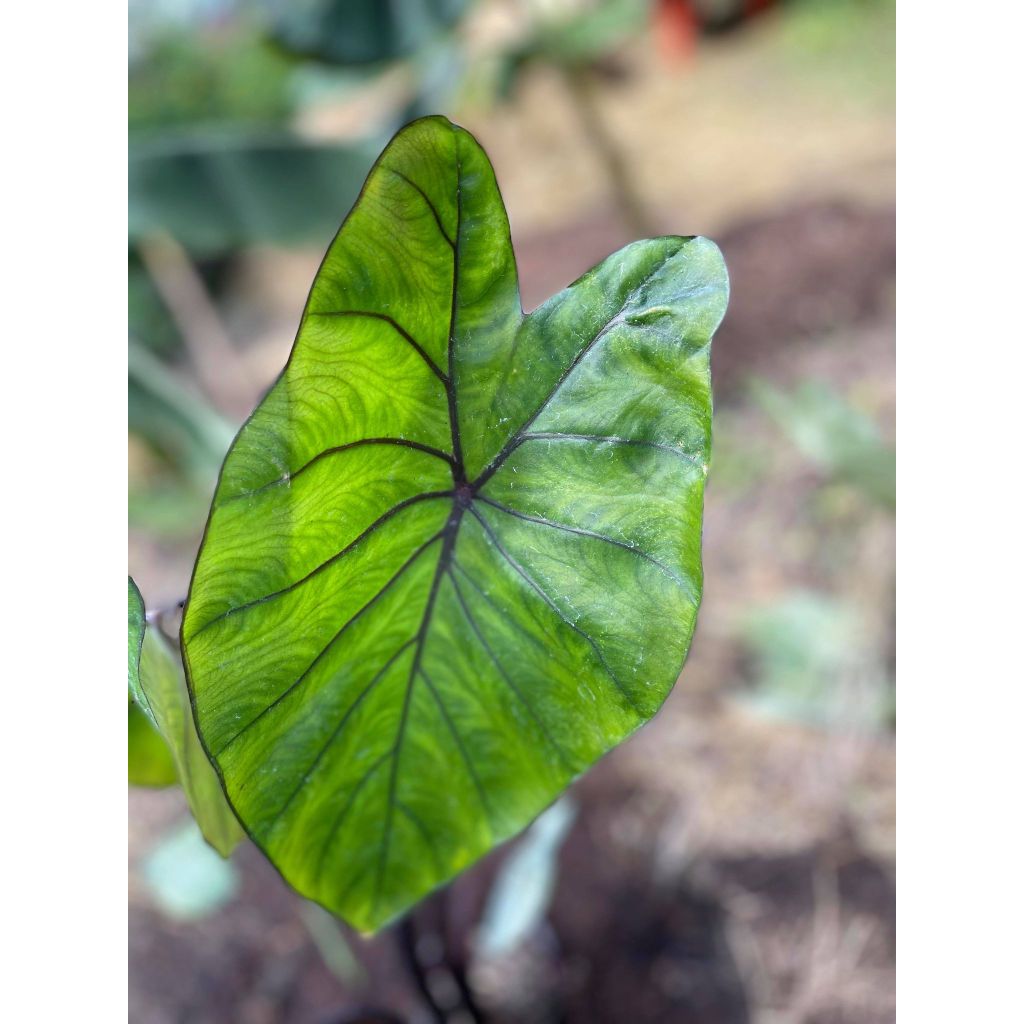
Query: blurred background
733, 862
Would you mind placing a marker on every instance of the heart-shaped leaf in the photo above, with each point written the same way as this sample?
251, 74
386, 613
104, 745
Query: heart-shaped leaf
454, 555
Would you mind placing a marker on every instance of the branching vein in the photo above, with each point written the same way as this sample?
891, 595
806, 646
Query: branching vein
554, 607
505, 676
374, 526
565, 527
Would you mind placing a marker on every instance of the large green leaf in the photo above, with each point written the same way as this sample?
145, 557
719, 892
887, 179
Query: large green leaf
454, 555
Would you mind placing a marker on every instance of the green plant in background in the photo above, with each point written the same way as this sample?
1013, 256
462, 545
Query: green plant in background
817, 657
849, 46
454, 555
361, 32
813, 663
579, 43
223, 74
836, 437
214, 161
217, 192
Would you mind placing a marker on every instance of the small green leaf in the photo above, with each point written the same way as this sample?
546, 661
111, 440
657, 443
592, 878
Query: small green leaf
136, 631
162, 687
149, 760
454, 555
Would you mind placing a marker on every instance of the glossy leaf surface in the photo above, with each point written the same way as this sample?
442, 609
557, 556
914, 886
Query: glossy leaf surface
454, 555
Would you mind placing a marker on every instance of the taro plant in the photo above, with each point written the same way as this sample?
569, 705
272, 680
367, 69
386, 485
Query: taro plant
454, 554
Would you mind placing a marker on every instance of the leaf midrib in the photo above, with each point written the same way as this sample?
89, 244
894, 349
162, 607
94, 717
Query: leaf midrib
450, 533
462, 496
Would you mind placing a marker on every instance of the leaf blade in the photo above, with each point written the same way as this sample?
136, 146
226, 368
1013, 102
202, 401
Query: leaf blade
136, 632
164, 682
400, 654
149, 761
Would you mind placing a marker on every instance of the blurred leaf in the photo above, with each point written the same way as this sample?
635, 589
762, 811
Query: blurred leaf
488, 573
136, 631
175, 420
149, 760
217, 192
163, 681
813, 662
187, 880
148, 319
846, 48
521, 892
835, 436
741, 460
361, 31
171, 510
571, 40
194, 75
592, 33
439, 68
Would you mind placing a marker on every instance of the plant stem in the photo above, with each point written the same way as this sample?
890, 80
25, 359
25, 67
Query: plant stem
405, 935
580, 87
455, 956
222, 374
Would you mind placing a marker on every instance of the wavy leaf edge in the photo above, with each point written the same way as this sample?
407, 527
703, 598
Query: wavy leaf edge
466, 505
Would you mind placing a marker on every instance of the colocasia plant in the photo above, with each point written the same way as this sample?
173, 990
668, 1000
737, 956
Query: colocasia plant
454, 554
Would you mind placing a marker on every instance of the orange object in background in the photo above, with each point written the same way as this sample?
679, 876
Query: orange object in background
678, 24
676, 27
